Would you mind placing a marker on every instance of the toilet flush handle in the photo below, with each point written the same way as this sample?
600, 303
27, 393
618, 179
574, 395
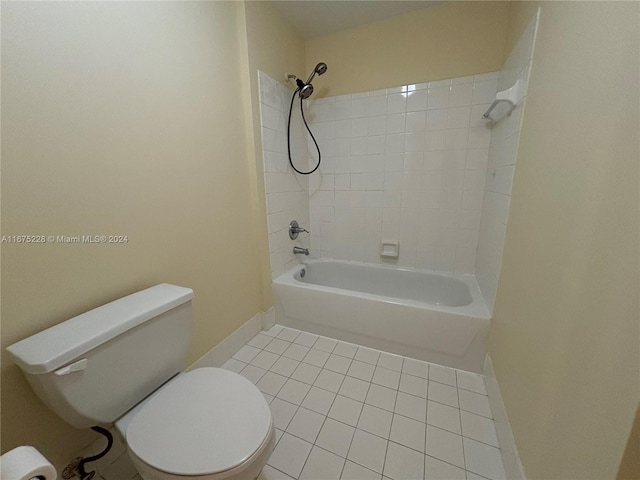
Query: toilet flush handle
72, 367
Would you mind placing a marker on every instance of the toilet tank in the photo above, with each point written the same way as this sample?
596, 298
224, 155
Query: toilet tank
94, 367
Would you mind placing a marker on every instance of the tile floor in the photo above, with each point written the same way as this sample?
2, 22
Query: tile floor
343, 411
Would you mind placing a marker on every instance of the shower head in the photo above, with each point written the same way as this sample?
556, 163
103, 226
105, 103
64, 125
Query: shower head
320, 69
305, 89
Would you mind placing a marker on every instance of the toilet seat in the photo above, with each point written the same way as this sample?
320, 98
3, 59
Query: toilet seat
204, 422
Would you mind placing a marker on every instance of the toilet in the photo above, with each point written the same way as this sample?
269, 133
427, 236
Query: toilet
122, 363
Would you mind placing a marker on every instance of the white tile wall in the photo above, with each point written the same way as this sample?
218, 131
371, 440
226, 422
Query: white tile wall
415, 164
501, 168
287, 193
404, 164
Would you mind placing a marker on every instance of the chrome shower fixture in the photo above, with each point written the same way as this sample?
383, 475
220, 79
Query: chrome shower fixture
305, 89
295, 229
320, 69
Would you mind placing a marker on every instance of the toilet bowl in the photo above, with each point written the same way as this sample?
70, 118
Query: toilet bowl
208, 423
121, 363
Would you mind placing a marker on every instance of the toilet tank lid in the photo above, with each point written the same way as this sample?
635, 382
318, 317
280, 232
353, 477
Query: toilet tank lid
54, 347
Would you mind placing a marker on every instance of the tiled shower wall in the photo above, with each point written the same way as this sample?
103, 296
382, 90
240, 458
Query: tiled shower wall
405, 164
501, 167
287, 193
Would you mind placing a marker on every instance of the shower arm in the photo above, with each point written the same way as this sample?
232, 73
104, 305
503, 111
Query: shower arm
292, 79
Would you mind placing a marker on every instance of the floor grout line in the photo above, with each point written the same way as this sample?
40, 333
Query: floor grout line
376, 365
424, 461
364, 402
356, 428
323, 423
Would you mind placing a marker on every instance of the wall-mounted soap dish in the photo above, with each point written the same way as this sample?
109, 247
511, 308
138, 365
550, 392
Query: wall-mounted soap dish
389, 249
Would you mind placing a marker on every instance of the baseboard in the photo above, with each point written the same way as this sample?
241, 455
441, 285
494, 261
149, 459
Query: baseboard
234, 342
269, 318
509, 451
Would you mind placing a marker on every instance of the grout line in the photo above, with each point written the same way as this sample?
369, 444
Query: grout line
464, 457
321, 427
371, 381
425, 430
355, 429
277, 471
393, 412
449, 463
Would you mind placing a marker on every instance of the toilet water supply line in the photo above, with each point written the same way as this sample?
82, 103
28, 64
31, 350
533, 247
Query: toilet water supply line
304, 90
81, 471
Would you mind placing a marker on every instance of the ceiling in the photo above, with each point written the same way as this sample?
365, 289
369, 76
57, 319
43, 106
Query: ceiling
313, 18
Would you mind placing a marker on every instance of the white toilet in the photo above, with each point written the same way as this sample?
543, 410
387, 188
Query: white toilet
121, 363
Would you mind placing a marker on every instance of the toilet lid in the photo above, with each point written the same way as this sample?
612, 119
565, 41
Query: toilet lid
205, 421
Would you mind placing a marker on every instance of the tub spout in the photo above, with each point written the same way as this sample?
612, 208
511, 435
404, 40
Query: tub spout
297, 250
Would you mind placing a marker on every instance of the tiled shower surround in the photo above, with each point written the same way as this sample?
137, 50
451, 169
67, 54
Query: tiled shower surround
405, 164
415, 164
287, 193
501, 168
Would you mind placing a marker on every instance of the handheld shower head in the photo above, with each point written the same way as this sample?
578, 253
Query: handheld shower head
320, 69
305, 88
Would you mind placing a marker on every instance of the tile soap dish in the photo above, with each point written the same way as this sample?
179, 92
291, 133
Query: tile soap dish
389, 249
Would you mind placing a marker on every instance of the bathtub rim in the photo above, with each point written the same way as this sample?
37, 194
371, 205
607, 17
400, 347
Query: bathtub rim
476, 309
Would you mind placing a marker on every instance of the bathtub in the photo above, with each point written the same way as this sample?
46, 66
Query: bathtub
434, 317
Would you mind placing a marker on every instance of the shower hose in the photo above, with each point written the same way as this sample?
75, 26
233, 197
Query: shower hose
293, 97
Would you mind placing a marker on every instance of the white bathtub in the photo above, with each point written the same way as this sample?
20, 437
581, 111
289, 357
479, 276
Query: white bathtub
433, 317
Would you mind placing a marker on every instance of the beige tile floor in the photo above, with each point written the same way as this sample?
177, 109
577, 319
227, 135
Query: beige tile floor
344, 411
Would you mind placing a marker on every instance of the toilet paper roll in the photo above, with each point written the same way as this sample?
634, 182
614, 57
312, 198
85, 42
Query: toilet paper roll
26, 463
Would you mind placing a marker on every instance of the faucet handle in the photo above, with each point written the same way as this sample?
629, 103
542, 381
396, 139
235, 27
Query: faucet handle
295, 229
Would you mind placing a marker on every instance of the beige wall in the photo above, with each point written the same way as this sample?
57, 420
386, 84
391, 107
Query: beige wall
630, 464
135, 119
274, 47
453, 39
121, 118
520, 13
565, 337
